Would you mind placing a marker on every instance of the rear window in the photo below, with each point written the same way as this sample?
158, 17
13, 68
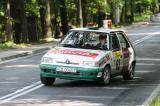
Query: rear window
123, 41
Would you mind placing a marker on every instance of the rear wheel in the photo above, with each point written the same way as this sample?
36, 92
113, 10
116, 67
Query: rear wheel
47, 81
129, 73
106, 77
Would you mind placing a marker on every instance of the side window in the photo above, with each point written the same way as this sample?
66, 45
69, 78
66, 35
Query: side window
123, 41
115, 42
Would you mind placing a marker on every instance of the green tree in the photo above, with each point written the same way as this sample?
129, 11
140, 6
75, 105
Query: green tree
19, 16
3, 20
33, 19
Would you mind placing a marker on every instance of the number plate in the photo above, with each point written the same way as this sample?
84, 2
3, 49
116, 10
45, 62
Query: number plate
66, 69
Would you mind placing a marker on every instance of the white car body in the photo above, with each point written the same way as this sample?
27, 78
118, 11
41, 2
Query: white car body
73, 63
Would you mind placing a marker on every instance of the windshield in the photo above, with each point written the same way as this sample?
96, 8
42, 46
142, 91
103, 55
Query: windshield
86, 40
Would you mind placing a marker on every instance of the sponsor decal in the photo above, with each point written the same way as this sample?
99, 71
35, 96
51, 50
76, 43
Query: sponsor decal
74, 52
126, 57
117, 54
126, 53
107, 58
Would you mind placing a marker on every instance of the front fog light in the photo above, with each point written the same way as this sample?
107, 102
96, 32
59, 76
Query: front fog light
47, 60
99, 74
88, 63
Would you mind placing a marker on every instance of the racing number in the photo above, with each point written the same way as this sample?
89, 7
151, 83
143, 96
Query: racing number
117, 64
118, 56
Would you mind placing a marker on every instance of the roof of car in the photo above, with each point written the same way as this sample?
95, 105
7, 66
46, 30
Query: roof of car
106, 30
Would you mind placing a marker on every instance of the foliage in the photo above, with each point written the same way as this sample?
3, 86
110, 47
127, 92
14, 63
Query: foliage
11, 45
32, 8
35, 10
144, 17
2, 18
155, 102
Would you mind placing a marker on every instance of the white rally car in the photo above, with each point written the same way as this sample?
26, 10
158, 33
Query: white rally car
78, 57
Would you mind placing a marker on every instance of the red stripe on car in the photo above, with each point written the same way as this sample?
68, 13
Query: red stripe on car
73, 52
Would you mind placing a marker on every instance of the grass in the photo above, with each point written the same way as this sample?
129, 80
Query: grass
11, 45
155, 102
144, 17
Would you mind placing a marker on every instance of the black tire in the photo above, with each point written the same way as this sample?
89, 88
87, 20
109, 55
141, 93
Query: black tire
47, 81
106, 77
128, 74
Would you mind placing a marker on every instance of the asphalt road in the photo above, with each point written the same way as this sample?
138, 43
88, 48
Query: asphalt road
20, 84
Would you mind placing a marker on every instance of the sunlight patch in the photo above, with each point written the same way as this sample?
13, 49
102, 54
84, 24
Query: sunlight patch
145, 71
149, 59
21, 66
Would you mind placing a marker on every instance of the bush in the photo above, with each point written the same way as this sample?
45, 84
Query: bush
11, 45
155, 102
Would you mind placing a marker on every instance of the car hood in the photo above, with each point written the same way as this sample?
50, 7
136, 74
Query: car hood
76, 55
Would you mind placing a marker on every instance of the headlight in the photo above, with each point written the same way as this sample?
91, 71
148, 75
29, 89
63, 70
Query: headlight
89, 63
47, 60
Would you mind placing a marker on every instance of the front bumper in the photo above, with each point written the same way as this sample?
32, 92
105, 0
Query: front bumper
81, 74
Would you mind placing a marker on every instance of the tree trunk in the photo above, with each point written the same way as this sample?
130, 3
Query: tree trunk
45, 19
113, 11
80, 13
125, 11
9, 32
16, 15
132, 10
84, 12
57, 26
122, 18
42, 19
48, 32
63, 14
23, 21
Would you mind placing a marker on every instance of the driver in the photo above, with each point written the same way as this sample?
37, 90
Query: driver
102, 45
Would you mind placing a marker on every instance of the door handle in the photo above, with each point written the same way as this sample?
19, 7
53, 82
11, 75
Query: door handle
121, 56
130, 53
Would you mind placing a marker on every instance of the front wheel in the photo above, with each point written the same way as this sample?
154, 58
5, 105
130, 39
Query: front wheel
106, 77
129, 73
47, 81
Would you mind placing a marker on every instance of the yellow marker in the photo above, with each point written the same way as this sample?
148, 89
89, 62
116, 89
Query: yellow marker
117, 54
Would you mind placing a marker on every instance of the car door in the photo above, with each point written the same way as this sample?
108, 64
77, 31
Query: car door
125, 49
117, 59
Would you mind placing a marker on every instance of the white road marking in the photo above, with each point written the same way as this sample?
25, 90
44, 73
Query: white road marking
145, 64
145, 38
20, 94
144, 71
3, 98
87, 97
20, 90
149, 59
137, 34
37, 85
